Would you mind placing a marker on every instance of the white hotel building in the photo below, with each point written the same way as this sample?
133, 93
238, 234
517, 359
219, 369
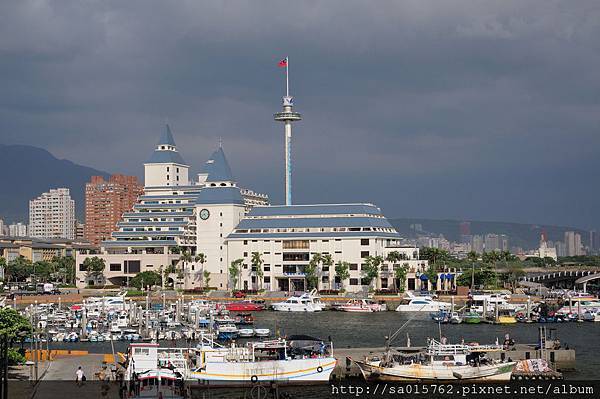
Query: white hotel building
214, 217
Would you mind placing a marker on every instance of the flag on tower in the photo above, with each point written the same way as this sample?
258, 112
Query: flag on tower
283, 62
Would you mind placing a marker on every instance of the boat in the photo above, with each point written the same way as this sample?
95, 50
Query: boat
579, 305
591, 315
472, 318
455, 318
109, 303
244, 306
227, 332
440, 362
421, 304
244, 319
307, 302
278, 361
154, 372
246, 332
362, 306
262, 332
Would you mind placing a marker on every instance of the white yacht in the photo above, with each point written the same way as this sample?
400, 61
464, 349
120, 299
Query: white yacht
363, 306
106, 304
307, 302
268, 361
421, 304
577, 305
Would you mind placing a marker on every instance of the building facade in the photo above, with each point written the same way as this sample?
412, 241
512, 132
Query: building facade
17, 230
105, 203
52, 215
287, 238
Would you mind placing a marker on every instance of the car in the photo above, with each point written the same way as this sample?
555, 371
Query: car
239, 294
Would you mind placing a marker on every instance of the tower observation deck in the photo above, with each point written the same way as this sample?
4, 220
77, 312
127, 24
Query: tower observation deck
287, 116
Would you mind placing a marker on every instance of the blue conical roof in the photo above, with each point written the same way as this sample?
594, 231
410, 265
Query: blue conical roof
167, 137
217, 168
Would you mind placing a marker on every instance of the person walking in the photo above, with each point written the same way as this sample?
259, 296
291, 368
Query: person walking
79, 376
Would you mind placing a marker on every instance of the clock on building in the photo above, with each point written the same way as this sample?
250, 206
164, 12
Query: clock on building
204, 214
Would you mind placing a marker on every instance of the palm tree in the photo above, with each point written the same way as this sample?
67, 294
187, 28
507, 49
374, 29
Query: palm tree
311, 271
235, 270
206, 275
185, 258
342, 270
200, 258
393, 257
257, 263
327, 261
400, 275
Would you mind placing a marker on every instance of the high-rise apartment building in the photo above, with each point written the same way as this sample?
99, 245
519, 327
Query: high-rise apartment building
573, 243
52, 215
477, 243
105, 203
17, 230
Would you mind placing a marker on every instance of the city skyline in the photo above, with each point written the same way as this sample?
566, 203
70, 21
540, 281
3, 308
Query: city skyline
427, 100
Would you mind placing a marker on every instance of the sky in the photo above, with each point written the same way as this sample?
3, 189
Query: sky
475, 110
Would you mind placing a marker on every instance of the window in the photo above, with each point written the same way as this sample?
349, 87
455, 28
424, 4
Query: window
353, 281
325, 268
132, 266
325, 279
245, 242
115, 267
384, 283
245, 254
267, 268
363, 281
353, 266
82, 268
364, 241
296, 244
302, 256
364, 254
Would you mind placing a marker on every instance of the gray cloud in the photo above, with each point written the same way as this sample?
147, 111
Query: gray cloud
461, 109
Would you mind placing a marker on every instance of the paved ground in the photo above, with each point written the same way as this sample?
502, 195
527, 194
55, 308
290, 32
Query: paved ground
59, 380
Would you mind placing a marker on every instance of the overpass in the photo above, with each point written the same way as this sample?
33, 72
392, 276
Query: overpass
563, 278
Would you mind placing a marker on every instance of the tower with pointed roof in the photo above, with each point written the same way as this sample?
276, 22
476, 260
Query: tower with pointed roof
166, 166
219, 208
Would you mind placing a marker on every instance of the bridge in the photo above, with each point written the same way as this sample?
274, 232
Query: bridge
563, 278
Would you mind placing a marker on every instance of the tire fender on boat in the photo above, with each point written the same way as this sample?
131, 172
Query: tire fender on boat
254, 378
319, 369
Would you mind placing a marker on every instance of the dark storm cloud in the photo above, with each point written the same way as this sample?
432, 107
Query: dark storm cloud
466, 109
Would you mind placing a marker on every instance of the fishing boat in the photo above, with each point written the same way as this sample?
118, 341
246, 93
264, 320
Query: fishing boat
362, 306
421, 304
244, 306
440, 362
307, 302
154, 372
278, 361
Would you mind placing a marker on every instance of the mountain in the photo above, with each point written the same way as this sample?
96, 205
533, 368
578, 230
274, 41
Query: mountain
27, 171
522, 235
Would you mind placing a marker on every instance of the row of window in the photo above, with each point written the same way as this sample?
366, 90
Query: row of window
315, 230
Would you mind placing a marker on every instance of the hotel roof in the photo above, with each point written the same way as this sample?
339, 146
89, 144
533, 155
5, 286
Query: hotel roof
278, 223
166, 155
167, 137
318, 209
217, 168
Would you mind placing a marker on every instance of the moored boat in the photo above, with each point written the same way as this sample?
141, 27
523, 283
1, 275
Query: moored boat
362, 306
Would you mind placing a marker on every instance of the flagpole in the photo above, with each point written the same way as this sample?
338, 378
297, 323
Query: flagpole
287, 77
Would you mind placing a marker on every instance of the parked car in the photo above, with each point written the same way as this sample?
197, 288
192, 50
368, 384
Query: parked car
239, 294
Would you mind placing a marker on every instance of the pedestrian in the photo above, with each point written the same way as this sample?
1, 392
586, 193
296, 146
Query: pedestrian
79, 376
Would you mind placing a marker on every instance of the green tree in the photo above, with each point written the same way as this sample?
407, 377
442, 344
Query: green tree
94, 268
201, 258
235, 270
392, 258
64, 268
400, 274
432, 276
472, 256
18, 269
144, 279
184, 259
342, 270
434, 255
370, 269
257, 263
13, 325
327, 262
311, 271
206, 275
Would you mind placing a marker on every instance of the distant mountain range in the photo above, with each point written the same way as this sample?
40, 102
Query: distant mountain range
526, 236
27, 171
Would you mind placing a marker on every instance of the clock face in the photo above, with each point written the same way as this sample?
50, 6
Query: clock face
204, 214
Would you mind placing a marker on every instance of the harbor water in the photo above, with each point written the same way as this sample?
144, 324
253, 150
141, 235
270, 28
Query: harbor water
369, 329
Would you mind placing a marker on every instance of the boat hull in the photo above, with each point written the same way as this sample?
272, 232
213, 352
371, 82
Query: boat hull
418, 372
292, 372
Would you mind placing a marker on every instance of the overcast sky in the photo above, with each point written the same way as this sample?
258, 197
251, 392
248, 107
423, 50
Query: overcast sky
444, 109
